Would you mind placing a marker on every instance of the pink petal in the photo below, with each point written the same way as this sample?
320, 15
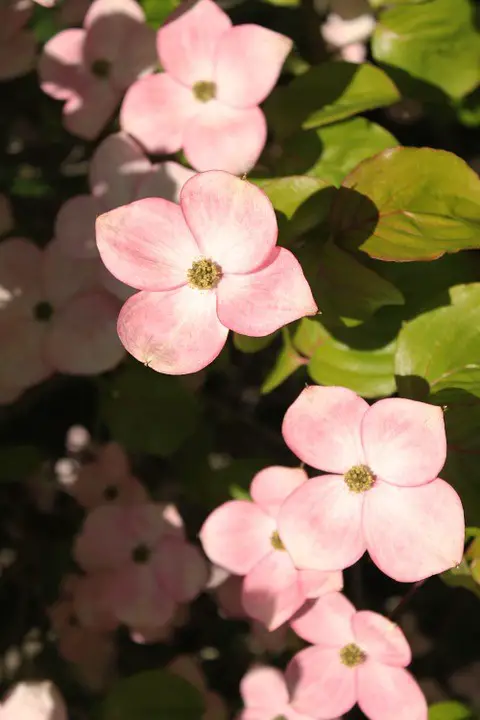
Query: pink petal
20, 277
65, 276
175, 332
322, 428
138, 57
9, 393
221, 137
320, 524
22, 362
389, 693
315, 582
237, 535
33, 700
320, 685
272, 485
6, 217
404, 441
381, 639
187, 44
156, 110
138, 599
258, 303
413, 533
326, 622
75, 226
147, 244
271, 590
264, 688
118, 166
17, 55
249, 61
165, 180
86, 114
232, 220
180, 569
59, 64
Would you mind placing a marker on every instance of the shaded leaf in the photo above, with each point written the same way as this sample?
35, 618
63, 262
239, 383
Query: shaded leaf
288, 360
252, 344
450, 711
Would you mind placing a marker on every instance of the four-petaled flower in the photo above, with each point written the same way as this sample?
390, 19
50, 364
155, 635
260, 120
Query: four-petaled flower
265, 696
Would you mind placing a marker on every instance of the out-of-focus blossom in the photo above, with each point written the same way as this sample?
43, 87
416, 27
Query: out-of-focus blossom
163, 633
72, 12
90, 68
188, 668
33, 701
348, 35
54, 316
206, 101
6, 217
17, 43
265, 696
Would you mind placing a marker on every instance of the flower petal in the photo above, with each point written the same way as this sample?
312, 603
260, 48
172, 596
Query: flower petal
17, 55
165, 180
86, 114
404, 441
322, 428
232, 220
82, 339
180, 569
22, 362
221, 137
75, 226
101, 544
138, 599
271, 590
316, 582
264, 688
319, 684
59, 64
389, 693
327, 622
236, 536
175, 332
271, 486
156, 111
381, 639
65, 276
249, 61
413, 533
258, 303
147, 244
187, 44
320, 524
20, 277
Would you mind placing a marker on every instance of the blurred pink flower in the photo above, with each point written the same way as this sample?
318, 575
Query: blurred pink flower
106, 480
340, 32
188, 668
145, 560
384, 495
265, 696
206, 101
54, 316
163, 633
119, 173
72, 12
196, 285
33, 701
17, 43
6, 217
91, 68
356, 657
242, 537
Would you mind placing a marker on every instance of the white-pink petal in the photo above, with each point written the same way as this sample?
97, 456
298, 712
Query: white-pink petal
180, 569
389, 693
271, 486
165, 179
264, 688
59, 64
75, 226
316, 583
327, 622
381, 639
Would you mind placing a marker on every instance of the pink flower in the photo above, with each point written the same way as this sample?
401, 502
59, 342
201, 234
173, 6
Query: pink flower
357, 657
340, 32
46, 3
189, 669
206, 101
265, 696
53, 316
146, 563
384, 495
6, 218
205, 267
163, 633
91, 68
242, 537
17, 44
33, 701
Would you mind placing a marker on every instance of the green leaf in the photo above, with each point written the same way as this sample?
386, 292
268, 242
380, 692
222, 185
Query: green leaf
327, 93
333, 151
382, 3
17, 462
366, 370
409, 204
252, 344
157, 11
461, 576
148, 412
288, 360
450, 711
153, 695
435, 42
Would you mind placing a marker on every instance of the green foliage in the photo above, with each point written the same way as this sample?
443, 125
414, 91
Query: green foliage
157, 11
288, 360
252, 344
450, 711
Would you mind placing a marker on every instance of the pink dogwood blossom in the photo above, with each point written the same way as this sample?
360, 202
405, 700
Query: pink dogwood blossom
119, 173
54, 316
90, 68
33, 701
265, 696
205, 267
242, 537
206, 101
357, 657
17, 43
188, 668
147, 565
6, 217
382, 493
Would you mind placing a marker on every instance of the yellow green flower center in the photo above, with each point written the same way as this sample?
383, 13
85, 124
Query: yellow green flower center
351, 655
101, 68
204, 274
277, 544
359, 478
204, 91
